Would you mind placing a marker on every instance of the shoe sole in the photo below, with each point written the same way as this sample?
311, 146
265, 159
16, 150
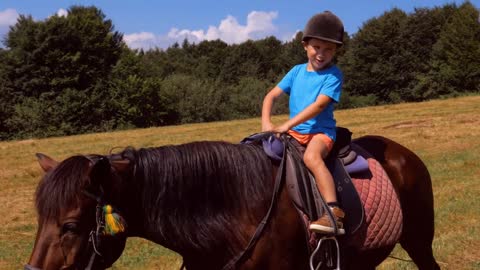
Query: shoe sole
324, 229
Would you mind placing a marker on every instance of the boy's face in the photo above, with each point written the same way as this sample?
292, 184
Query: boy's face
320, 53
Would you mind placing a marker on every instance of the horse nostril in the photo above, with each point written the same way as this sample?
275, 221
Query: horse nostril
29, 267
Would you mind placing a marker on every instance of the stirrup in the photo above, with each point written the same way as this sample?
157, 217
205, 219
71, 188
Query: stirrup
327, 252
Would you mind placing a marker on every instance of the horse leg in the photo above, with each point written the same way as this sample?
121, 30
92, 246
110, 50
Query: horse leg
422, 256
418, 231
416, 198
354, 259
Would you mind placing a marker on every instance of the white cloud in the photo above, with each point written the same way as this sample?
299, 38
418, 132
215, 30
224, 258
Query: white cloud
143, 40
62, 13
261, 22
259, 25
290, 36
8, 17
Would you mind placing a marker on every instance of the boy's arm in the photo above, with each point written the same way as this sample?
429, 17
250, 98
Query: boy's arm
267, 108
309, 112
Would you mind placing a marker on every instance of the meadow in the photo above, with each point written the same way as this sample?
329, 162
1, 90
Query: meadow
444, 133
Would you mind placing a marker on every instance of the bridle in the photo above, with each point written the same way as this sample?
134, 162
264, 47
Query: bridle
91, 251
96, 234
93, 248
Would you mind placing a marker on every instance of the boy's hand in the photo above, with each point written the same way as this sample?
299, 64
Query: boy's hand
281, 129
267, 126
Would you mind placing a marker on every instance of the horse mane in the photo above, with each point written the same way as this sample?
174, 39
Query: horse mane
61, 187
194, 194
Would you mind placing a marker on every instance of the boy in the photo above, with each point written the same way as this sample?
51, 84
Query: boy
313, 88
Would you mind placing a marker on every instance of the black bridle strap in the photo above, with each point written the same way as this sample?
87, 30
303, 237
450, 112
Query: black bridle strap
90, 261
94, 237
276, 191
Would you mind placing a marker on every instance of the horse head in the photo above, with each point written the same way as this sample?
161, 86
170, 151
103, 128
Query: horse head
76, 226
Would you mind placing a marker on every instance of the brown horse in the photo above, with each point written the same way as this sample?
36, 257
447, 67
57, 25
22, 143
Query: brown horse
205, 201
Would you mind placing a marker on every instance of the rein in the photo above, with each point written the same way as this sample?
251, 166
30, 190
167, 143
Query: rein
260, 229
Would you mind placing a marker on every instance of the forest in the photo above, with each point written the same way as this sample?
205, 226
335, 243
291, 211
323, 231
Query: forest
75, 74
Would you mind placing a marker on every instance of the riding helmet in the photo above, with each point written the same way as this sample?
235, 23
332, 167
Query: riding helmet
325, 26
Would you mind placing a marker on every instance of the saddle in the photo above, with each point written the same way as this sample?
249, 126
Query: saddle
364, 191
342, 161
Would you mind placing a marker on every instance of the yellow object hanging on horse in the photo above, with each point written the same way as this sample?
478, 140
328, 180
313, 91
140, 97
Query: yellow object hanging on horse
114, 223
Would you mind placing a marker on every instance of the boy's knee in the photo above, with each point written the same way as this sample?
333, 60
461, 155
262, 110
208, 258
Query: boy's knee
311, 160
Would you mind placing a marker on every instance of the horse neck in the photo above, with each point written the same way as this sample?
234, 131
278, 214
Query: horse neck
189, 194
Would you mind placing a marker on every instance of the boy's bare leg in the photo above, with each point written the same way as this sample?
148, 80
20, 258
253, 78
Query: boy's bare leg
314, 155
314, 159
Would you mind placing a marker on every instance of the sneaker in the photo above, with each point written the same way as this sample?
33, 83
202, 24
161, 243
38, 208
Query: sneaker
324, 225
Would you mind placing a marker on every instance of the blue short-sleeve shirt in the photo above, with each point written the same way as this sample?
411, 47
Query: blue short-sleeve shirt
303, 87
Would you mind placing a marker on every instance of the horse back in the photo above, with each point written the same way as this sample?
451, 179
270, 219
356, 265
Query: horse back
405, 169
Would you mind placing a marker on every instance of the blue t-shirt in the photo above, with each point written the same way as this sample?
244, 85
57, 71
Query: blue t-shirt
303, 87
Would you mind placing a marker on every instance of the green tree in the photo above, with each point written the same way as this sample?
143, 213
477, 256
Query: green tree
63, 52
455, 63
271, 61
6, 97
192, 99
293, 52
210, 56
421, 32
61, 61
136, 102
242, 61
157, 63
245, 98
372, 64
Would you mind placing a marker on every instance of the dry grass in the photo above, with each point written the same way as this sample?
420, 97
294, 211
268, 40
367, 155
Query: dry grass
444, 133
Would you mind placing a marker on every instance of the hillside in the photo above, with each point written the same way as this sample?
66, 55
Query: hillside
444, 133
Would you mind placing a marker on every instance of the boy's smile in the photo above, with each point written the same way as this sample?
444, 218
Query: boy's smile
320, 53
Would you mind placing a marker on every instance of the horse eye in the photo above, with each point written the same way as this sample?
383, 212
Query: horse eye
71, 227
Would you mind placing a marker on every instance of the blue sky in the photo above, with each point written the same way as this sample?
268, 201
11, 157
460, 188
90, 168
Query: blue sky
147, 24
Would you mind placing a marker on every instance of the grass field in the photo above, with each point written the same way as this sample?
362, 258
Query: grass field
444, 133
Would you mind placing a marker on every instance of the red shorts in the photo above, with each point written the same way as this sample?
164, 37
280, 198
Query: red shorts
304, 139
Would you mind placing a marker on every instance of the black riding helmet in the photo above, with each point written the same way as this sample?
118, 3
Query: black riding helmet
325, 26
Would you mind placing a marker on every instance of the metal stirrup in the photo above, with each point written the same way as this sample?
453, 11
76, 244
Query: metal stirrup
318, 249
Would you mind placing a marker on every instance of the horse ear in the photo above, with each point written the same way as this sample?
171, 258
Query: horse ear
100, 175
120, 165
104, 182
47, 163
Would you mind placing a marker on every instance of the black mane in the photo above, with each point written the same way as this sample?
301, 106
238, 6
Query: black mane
192, 193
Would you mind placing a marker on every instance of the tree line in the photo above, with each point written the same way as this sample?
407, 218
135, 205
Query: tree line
74, 74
